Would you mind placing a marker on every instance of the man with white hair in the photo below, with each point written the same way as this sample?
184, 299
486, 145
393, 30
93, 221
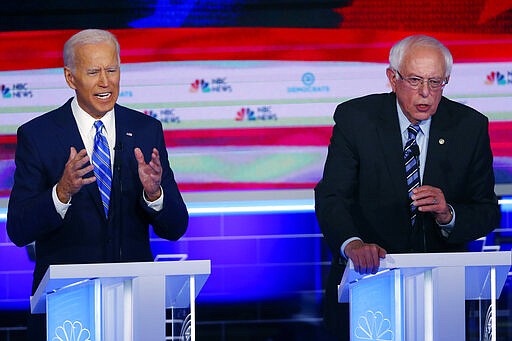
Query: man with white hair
406, 171
91, 176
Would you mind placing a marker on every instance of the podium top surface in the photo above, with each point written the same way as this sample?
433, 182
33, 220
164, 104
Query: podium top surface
419, 261
476, 265
448, 259
134, 269
58, 276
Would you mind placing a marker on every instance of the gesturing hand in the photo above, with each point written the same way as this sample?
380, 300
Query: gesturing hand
366, 257
150, 174
73, 177
431, 199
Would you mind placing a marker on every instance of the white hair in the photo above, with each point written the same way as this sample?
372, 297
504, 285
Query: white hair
89, 36
398, 51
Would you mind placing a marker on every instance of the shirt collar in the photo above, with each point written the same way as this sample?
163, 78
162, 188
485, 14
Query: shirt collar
404, 122
86, 121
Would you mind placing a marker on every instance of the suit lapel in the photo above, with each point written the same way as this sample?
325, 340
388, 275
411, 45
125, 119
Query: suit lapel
68, 133
69, 136
390, 141
439, 140
124, 141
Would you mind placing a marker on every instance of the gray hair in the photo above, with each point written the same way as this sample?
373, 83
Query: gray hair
403, 46
89, 36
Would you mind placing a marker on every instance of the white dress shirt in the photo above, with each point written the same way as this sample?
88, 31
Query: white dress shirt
85, 123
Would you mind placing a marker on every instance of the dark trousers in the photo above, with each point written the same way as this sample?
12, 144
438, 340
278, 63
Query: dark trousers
338, 324
36, 327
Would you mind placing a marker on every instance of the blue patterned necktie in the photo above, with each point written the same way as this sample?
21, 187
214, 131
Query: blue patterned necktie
101, 162
412, 171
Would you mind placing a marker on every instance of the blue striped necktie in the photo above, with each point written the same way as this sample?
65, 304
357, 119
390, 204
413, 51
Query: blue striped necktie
412, 170
101, 162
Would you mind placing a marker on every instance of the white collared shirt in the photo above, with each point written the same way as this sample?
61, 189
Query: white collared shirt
421, 138
85, 123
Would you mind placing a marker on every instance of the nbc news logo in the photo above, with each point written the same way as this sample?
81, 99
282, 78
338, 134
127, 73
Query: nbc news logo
17, 90
218, 84
262, 113
499, 78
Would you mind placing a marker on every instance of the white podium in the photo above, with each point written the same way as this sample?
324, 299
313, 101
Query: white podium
422, 296
119, 301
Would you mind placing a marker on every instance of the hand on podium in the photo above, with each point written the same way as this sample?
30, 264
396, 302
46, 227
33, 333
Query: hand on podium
366, 257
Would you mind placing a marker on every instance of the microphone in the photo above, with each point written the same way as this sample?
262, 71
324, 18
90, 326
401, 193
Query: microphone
415, 150
118, 161
118, 146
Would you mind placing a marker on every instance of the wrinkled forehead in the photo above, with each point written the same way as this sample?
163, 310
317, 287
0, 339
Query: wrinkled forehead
104, 52
424, 60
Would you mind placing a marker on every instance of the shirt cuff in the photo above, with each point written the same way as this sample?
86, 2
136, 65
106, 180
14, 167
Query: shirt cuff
344, 245
158, 204
59, 206
446, 229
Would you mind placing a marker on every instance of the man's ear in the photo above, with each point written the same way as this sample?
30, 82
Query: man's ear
391, 77
69, 78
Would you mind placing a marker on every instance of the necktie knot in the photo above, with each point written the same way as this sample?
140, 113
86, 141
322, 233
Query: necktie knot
98, 125
413, 130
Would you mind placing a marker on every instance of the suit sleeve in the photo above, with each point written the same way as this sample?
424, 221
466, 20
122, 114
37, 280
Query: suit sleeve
334, 194
31, 212
477, 211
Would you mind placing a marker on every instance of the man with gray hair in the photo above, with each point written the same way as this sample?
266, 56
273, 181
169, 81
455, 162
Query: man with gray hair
406, 171
92, 175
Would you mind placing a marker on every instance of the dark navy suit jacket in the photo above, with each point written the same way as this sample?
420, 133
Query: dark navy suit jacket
363, 192
85, 235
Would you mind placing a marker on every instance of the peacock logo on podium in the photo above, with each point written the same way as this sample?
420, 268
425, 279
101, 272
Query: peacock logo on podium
373, 326
72, 331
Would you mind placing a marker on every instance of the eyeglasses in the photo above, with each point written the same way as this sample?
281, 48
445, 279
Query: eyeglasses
433, 83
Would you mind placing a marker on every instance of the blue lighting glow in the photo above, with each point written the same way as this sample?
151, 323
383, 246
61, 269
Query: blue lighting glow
240, 207
263, 206
506, 204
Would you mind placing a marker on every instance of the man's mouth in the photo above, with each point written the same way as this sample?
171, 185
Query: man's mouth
104, 95
422, 107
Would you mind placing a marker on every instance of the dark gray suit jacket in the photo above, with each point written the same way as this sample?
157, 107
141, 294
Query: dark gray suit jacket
363, 192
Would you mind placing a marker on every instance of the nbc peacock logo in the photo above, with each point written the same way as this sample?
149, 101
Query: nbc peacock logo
214, 85
245, 114
199, 85
374, 326
261, 113
71, 331
498, 78
6, 91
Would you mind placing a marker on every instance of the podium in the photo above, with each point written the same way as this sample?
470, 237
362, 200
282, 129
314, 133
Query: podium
421, 296
120, 301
